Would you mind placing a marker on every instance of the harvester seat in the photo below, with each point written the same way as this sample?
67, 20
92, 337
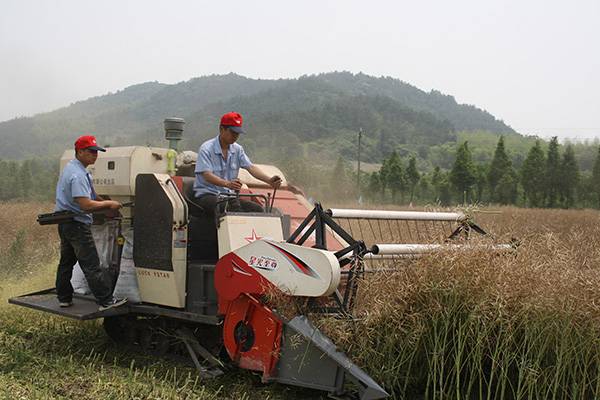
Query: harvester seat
202, 233
189, 196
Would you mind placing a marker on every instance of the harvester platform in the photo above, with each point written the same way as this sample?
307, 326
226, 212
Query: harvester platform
85, 308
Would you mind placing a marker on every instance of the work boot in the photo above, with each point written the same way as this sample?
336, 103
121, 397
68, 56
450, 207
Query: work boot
112, 303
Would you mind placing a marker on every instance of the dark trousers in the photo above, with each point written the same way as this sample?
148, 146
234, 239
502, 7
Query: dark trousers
77, 244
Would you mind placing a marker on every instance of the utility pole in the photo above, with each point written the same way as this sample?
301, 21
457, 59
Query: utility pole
358, 169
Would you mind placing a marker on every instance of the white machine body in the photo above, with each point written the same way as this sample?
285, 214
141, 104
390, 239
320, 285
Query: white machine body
167, 287
115, 170
293, 269
237, 230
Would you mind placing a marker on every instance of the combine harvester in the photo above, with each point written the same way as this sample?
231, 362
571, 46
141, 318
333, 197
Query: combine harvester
204, 292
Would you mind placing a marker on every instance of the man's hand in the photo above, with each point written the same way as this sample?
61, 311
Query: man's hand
88, 205
235, 185
275, 181
113, 205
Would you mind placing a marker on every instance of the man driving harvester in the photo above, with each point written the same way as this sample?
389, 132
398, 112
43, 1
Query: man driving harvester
218, 165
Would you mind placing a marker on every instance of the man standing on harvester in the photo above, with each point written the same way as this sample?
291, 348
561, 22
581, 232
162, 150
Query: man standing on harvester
218, 165
75, 192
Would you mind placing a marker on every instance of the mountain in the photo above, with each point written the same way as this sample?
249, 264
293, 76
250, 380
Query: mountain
313, 116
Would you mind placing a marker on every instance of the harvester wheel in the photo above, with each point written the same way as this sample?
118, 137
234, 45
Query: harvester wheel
163, 345
115, 328
130, 334
145, 338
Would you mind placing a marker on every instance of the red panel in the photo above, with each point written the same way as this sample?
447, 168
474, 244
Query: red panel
258, 350
237, 284
234, 277
178, 182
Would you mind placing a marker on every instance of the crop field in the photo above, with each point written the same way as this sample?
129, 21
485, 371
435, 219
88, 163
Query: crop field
457, 325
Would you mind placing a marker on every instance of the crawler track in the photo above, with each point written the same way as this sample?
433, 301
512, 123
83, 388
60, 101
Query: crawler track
166, 338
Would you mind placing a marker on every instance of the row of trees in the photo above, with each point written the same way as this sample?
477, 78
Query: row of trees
547, 176
33, 179
545, 179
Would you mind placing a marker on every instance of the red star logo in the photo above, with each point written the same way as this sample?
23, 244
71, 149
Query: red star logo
253, 238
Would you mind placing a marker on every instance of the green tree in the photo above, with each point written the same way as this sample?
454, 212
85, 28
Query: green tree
383, 143
25, 179
462, 175
586, 192
445, 198
553, 173
374, 186
569, 177
437, 181
500, 166
424, 189
480, 181
506, 189
413, 176
596, 177
393, 175
532, 176
14, 186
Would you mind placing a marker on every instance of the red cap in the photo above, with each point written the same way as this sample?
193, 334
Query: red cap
233, 121
87, 142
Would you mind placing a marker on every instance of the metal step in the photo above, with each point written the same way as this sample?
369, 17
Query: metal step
83, 308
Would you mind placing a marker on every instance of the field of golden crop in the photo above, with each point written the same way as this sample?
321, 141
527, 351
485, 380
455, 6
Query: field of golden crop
23, 243
484, 325
462, 325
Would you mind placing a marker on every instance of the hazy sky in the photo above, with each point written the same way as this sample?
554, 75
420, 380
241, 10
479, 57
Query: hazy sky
534, 64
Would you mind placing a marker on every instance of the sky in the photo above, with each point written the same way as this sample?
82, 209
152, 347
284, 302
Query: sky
533, 64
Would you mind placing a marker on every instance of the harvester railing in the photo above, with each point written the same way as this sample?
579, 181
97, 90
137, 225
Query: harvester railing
407, 227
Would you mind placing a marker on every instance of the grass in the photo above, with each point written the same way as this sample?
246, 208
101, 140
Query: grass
48, 357
457, 326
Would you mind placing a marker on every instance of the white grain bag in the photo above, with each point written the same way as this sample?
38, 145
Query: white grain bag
78, 281
104, 237
127, 284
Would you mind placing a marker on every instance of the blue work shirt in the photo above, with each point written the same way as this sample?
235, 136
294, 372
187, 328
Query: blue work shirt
75, 181
210, 158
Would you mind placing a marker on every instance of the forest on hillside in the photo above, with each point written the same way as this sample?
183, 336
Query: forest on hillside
291, 115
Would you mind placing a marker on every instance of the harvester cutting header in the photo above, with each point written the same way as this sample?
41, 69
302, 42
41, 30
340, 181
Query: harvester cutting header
201, 278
